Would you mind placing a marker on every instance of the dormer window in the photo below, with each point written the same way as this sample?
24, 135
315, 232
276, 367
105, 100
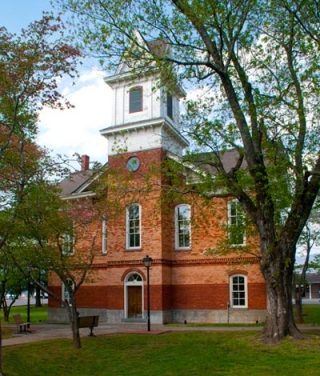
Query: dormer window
135, 99
169, 106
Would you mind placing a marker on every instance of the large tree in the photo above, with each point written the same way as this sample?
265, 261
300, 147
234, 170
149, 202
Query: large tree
31, 65
59, 237
256, 65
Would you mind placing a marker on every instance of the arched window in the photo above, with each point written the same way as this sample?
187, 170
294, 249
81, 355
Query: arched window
133, 226
135, 99
183, 226
236, 223
238, 291
134, 278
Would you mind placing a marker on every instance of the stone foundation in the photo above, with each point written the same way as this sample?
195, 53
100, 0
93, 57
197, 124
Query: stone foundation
108, 316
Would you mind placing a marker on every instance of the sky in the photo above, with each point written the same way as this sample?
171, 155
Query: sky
74, 130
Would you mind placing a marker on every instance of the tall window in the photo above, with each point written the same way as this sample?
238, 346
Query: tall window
236, 223
134, 226
67, 244
104, 236
169, 106
135, 99
238, 291
66, 290
183, 226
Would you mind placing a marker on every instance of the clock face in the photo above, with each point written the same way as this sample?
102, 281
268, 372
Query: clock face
133, 164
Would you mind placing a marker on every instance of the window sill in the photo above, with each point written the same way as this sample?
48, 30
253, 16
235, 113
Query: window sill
183, 249
238, 245
133, 249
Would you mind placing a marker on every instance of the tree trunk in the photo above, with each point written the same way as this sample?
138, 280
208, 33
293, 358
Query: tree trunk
278, 274
38, 297
298, 301
1, 367
75, 329
5, 310
73, 319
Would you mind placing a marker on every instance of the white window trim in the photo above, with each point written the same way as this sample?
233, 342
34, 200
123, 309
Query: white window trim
72, 247
127, 228
229, 224
135, 283
245, 291
176, 228
104, 249
172, 106
130, 89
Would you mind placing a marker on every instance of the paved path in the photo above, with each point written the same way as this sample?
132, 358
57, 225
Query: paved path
53, 331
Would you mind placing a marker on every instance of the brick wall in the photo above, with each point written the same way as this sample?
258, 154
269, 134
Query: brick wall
179, 279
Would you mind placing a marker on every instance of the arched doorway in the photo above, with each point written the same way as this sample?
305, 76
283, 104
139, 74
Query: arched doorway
133, 296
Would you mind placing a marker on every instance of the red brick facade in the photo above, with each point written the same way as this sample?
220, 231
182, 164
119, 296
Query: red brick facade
183, 283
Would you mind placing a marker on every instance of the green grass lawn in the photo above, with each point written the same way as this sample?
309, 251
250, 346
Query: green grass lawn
37, 314
311, 314
171, 354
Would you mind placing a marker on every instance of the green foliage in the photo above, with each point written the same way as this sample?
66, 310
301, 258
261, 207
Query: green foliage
315, 263
30, 66
12, 280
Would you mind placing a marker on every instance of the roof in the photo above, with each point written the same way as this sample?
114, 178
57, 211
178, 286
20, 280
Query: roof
313, 277
206, 161
78, 183
158, 47
74, 182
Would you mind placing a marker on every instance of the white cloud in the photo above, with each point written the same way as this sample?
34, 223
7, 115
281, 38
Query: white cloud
76, 130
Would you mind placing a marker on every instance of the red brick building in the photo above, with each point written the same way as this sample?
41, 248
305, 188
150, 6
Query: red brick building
186, 281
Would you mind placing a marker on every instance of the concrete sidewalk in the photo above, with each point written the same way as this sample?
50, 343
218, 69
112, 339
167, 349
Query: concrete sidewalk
53, 331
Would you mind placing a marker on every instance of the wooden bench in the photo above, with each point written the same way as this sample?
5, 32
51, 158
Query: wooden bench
88, 322
22, 327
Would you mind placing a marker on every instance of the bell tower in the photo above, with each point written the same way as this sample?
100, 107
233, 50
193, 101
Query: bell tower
145, 115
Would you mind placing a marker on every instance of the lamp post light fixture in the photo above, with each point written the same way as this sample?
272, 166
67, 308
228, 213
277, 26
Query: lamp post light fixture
147, 262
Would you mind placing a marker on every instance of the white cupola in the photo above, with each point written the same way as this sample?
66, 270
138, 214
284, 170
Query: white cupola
145, 115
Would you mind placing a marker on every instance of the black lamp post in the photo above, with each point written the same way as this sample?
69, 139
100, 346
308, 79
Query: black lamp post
147, 261
30, 268
28, 301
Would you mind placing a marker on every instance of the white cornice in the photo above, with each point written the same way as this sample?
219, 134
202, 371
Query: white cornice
74, 196
118, 129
